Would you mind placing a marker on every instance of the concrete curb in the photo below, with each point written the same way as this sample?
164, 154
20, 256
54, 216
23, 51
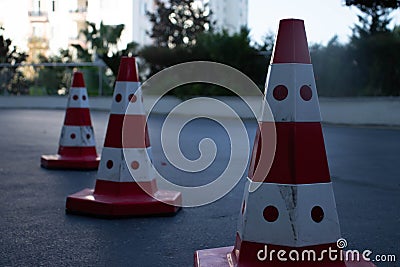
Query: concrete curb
372, 111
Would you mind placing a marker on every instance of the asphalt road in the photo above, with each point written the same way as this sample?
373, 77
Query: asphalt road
35, 231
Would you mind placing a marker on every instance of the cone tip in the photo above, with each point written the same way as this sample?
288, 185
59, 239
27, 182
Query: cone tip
127, 71
291, 20
78, 80
291, 43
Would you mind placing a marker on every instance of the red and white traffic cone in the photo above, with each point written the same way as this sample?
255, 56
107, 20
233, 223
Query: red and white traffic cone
126, 184
77, 146
291, 218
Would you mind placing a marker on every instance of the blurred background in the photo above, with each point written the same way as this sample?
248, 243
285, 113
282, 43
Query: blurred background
354, 44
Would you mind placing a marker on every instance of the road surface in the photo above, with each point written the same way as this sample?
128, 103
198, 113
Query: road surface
35, 231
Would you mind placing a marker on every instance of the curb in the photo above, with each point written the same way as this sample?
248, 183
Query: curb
361, 111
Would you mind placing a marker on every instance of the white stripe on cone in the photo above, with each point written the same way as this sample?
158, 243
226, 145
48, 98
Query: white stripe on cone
114, 168
294, 225
78, 98
136, 106
150, 153
121, 95
293, 108
139, 164
77, 136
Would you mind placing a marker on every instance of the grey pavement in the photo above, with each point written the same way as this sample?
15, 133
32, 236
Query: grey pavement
35, 231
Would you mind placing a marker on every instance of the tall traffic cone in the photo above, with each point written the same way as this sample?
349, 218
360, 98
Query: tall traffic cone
126, 184
292, 214
77, 146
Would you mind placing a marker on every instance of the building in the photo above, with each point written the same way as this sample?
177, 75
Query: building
14, 20
46, 26
229, 14
43, 27
54, 24
130, 13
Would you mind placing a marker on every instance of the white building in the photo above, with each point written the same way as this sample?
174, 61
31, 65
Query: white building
45, 26
130, 13
229, 14
14, 19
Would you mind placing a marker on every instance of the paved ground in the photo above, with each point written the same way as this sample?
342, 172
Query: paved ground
35, 231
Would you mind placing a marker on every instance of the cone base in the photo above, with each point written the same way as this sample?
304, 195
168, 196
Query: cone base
86, 202
71, 163
222, 257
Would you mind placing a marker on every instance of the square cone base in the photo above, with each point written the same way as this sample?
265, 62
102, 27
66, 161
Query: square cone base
86, 202
69, 163
222, 257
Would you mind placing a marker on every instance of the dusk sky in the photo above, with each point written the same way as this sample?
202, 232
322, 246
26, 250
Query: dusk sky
323, 19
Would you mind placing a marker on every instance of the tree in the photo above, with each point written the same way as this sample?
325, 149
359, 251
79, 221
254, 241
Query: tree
103, 42
52, 79
335, 73
377, 63
234, 50
375, 16
178, 22
11, 78
373, 49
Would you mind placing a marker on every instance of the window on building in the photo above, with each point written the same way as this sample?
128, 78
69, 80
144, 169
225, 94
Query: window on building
53, 5
37, 31
36, 6
142, 7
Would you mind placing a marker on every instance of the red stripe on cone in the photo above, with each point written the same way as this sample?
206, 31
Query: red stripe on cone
104, 187
222, 257
250, 253
123, 199
128, 70
77, 117
291, 43
78, 80
300, 156
79, 152
126, 131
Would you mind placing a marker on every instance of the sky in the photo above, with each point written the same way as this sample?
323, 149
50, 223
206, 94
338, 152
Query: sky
322, 18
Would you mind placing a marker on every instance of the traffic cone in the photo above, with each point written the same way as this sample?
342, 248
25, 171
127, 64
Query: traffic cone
77, 146
292, 212
126, 184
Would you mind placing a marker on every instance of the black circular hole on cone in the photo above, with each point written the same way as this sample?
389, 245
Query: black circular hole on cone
118, 98
135, 165
271, 213
306, 92
109, 164
280, 92
132, 98
317, 214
